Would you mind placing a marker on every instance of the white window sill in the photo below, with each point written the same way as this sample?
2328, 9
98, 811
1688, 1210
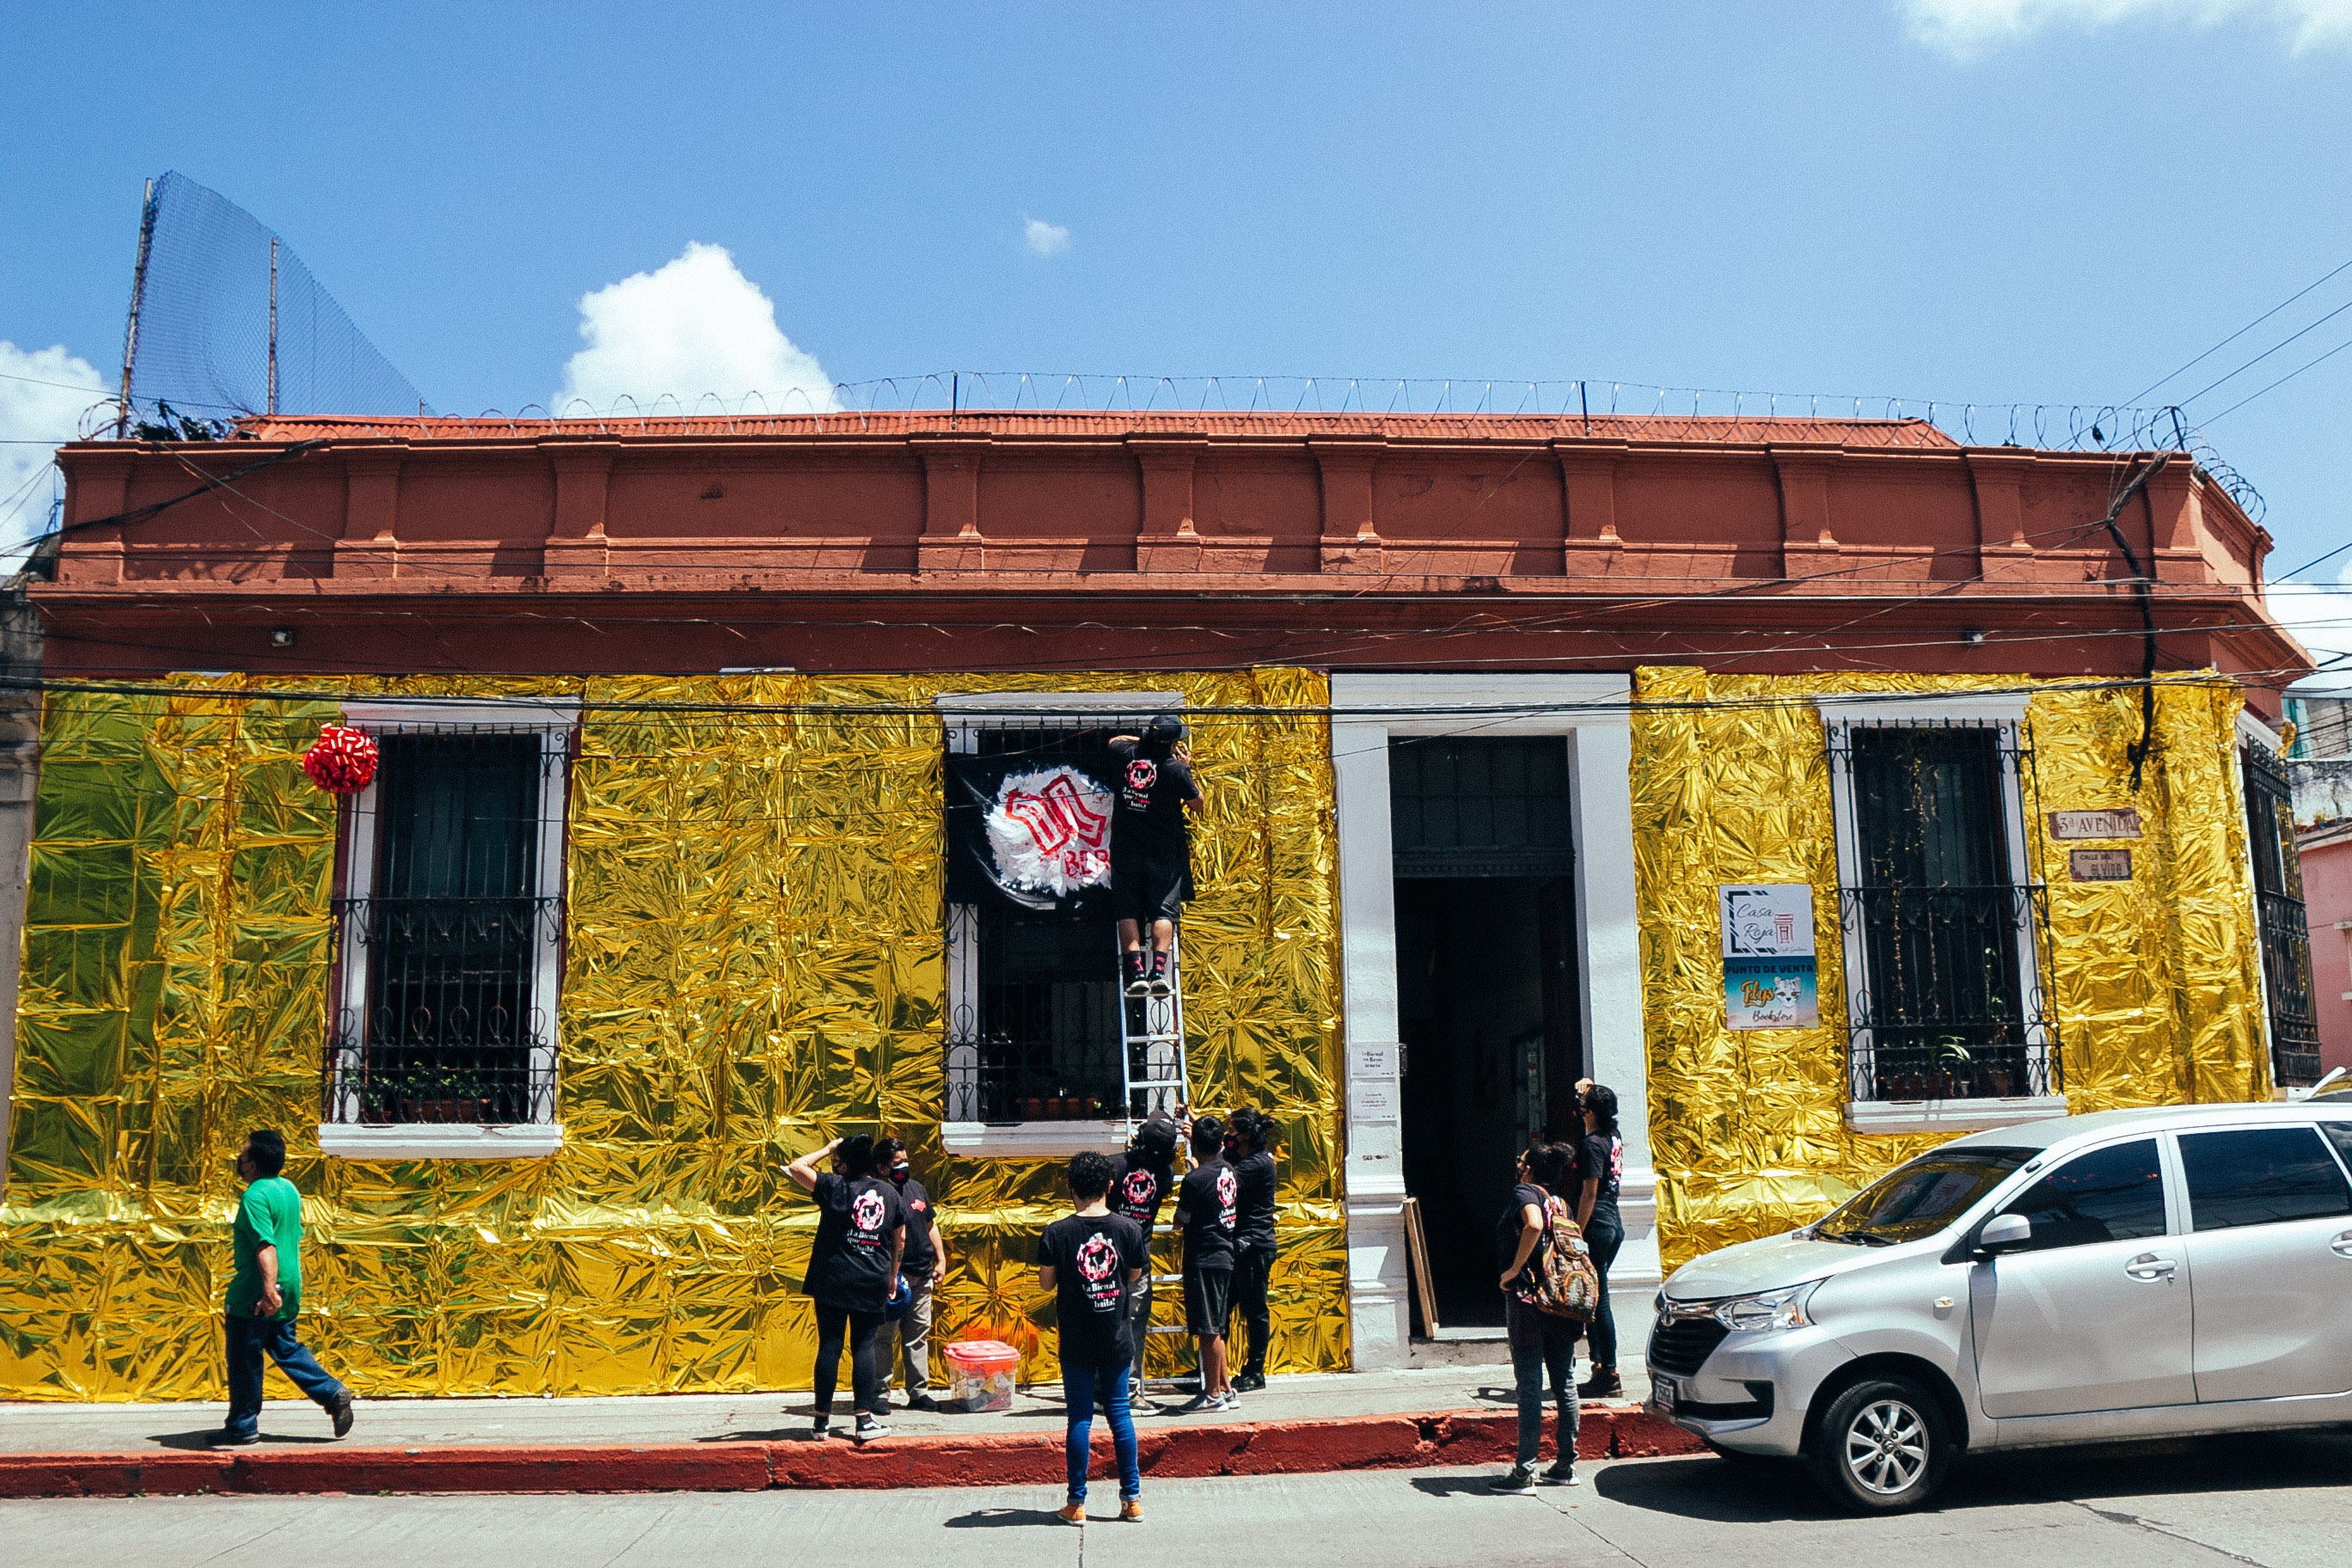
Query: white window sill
1950, 1115
1031, 1140
439, 1141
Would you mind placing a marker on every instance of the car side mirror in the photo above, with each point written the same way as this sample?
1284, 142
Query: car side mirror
2004, 1233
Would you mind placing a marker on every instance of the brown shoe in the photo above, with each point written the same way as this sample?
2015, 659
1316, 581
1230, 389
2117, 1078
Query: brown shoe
1072, 1513
1131, 1509
1604, 1383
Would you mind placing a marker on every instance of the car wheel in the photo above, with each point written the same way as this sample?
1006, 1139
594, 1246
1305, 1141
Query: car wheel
1883, 1446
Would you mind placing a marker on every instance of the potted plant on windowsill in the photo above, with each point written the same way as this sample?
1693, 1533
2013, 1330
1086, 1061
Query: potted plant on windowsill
444, 1094
1952, 1077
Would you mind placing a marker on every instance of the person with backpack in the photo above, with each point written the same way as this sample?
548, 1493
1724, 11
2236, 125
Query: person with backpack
853, 1272
1140, 1179
1540, 1292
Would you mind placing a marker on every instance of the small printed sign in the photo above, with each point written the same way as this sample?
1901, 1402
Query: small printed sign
1770, 994
2121, 822
1771, 921
1767, 956
2099, 865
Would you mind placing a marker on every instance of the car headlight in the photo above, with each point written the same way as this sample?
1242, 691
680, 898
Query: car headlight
1782, 1309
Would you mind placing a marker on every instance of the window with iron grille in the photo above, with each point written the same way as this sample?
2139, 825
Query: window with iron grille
449, 929
2287, 988
1033, 1020
1939, 913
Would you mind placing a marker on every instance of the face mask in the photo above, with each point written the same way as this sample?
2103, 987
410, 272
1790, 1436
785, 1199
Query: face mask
898, 1172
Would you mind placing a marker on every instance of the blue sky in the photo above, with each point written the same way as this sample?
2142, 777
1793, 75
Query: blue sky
2042, 200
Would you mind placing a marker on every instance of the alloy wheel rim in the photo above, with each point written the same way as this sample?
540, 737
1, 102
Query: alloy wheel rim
1887, 1447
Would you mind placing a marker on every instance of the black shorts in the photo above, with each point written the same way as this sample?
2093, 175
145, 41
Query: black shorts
1208, 1302
1149, 890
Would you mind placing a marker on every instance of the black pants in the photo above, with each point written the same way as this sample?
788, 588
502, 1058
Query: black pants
1251, 1265
864, 1378
1604, 1235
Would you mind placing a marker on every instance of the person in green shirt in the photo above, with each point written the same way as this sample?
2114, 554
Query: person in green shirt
266, 1292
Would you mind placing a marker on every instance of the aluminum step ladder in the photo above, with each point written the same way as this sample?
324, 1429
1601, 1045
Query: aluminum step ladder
1152, 1035
1152, 1029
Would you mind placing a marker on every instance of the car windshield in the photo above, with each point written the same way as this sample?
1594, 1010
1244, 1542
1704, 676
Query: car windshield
1920, 1198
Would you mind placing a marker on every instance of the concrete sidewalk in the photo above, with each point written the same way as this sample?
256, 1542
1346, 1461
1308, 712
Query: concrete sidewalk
1440, 1415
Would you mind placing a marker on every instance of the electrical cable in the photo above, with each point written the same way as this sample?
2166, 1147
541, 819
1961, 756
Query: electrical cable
2234, 337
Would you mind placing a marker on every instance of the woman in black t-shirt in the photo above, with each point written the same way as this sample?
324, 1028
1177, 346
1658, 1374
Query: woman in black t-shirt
853, 1271
1601, 1164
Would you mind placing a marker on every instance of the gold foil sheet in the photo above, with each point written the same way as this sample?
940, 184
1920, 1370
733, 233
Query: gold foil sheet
754, 965
2152, 982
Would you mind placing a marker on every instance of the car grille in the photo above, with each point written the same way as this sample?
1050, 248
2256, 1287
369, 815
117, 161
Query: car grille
1678, 1346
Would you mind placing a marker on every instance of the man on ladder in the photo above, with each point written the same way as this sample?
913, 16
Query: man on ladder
1150, 852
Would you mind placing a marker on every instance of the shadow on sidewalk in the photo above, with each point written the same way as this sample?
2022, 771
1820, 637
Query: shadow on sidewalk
999, 1518
202, 1441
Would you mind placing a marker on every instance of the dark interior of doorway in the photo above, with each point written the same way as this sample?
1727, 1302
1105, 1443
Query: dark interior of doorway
1486, 1011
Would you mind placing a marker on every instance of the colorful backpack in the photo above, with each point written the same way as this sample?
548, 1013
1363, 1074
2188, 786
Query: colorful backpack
1564, 1284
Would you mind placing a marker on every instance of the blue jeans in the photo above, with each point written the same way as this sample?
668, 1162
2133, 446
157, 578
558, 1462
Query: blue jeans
1079, 1381
250, 1340
1547, 1349
1604, 1235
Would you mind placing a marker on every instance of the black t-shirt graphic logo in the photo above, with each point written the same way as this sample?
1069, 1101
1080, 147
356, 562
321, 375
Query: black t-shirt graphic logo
1228, 1197
1097, 1259
1142, 1186
1142, 774
865, 1218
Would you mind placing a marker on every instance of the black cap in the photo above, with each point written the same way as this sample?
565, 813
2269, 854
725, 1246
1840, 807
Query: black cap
1167, 730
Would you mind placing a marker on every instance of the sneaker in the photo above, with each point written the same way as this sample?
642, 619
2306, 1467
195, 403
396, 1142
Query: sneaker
821, 1427
924, 1402
1158, 984
1199, 1402
882, 1407
1562, 1474
223, 1440
868, 1428
1229, 1400
1131, 1508
1604, 1383
1139, 974
341, 1411
1072, 1512
1249, 1382
1519, 1481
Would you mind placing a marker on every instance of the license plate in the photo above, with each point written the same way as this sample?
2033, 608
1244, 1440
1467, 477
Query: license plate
1663, 1392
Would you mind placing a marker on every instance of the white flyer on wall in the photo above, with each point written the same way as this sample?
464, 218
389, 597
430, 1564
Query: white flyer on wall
1767, 956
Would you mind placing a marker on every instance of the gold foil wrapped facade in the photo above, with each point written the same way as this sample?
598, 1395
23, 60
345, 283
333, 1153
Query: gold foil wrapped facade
754, 965
2152, 983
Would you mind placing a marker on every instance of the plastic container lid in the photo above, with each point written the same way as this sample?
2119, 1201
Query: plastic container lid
982, 1350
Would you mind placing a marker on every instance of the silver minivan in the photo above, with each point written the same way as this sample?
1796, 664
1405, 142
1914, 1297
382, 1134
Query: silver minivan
2089, 1279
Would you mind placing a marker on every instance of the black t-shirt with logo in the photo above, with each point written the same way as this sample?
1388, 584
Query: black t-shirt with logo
1602, 1156
1148, 814
919, 1258
1136, 1190
1091, 1256
1253, 1224
849, 1263
1210, 1200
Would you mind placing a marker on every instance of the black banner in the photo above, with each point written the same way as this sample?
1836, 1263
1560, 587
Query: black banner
1032, 831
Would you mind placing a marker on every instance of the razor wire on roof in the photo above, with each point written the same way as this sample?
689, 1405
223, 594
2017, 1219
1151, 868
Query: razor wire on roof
1436, 406
226, 320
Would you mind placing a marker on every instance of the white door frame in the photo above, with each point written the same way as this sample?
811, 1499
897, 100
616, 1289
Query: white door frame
1588, 711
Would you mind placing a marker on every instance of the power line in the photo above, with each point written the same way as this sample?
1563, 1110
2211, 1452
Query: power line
2234, 337
2281, 381
2259, 358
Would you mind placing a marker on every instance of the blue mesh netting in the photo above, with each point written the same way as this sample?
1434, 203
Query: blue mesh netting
204, 322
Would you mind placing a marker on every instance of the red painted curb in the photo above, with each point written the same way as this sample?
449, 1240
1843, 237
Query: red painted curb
1279, 1447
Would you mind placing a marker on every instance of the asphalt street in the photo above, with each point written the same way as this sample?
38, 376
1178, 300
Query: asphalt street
2272, 1502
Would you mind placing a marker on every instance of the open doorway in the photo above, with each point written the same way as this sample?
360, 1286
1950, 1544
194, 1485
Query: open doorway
1486, 992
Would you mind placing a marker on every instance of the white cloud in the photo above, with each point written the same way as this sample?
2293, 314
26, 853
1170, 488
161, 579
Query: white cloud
1044, 239
2320, 616
1970, 29
695, 326
43, 394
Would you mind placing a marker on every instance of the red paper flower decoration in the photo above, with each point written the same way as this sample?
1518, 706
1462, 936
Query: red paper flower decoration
342, 760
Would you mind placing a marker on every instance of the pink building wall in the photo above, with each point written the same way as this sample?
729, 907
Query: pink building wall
2327, 854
